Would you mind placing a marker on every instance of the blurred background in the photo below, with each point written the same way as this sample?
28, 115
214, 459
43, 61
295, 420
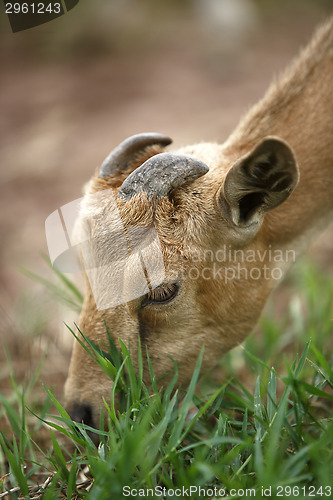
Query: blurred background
72, 89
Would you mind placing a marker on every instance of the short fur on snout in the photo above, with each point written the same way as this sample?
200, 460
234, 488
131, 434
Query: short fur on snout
227, 236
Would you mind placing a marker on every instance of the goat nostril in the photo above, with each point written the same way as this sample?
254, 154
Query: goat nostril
82, 413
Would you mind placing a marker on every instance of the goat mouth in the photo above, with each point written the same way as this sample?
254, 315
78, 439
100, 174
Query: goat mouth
82, 413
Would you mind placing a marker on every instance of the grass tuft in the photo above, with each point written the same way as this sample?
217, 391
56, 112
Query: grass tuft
264, 428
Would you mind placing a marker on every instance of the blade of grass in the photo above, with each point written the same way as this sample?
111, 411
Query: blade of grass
68, 283
271, 395
15, 467
258, 417
179, 425
59, 459
71, 482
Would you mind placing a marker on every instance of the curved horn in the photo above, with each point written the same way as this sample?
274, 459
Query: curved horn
161, 174
119, 159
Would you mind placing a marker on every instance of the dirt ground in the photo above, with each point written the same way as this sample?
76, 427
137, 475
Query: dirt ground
62, 114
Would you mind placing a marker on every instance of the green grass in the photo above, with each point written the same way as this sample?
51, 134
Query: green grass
264, 429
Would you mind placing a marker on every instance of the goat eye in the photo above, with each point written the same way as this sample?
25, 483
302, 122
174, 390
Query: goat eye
161, 294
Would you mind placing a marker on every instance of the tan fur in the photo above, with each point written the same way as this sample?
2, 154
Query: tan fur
298, 108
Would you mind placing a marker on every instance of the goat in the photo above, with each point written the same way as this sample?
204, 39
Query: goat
230, 220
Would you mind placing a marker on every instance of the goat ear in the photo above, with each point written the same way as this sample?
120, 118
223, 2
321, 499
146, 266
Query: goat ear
258, 182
